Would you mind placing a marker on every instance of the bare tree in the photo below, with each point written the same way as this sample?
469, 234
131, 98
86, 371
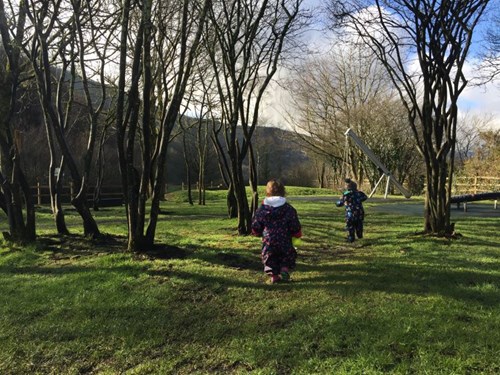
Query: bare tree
423, 45
490, 67
224, 163
245, 42
469, 129
15, 192
348, 88
64, 36
172, 38
186, 125
315, 111
200, 101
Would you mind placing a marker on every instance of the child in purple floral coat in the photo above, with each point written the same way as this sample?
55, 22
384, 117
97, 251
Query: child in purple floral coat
277, 222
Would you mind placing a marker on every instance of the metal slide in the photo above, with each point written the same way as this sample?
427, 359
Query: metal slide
378, 163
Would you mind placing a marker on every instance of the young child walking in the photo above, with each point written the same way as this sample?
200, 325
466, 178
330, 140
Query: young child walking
277, 222
352, 200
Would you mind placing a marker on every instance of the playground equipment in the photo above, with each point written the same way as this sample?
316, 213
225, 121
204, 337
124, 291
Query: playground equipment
475, 197
378, 163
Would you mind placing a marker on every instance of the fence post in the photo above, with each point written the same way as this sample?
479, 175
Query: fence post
39, 193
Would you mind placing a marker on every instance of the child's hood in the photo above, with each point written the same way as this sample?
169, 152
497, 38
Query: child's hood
274, 201
274, 207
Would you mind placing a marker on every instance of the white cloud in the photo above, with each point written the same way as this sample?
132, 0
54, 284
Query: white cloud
483, 101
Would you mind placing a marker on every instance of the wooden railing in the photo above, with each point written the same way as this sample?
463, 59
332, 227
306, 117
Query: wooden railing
108, 193
475, 185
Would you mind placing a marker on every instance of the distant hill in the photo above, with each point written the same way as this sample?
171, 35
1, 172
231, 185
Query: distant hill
276, 152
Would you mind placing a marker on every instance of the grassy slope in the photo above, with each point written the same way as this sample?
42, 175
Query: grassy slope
393, 303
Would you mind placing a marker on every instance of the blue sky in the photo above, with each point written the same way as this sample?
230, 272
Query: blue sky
476, 100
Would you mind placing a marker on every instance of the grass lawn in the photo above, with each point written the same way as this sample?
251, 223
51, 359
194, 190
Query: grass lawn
395, 302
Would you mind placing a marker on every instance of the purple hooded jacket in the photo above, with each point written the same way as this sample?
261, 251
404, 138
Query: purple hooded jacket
277, 222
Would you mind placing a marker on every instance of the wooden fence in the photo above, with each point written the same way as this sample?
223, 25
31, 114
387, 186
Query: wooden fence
475, 185
110, 195
471, 188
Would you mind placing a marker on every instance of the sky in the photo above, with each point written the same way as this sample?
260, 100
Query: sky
482, 101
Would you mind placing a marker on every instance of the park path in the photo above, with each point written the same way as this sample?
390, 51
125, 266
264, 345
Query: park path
413, 207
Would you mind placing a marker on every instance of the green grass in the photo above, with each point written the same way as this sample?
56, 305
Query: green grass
395, 302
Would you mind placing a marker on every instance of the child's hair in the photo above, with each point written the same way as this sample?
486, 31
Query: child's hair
275, 188
350, 184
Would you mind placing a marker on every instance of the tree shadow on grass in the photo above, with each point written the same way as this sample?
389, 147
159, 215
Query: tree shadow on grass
234, 259
456, 279
74, 246
335, 268
164, 252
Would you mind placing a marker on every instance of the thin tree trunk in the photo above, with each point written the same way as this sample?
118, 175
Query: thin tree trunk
253, 180
100, 166
188, 169
56, 192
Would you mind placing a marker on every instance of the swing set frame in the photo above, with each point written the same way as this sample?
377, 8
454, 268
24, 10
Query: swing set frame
382, 168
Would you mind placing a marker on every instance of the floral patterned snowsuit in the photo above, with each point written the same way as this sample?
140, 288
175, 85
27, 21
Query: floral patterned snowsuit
354, 212
277, 222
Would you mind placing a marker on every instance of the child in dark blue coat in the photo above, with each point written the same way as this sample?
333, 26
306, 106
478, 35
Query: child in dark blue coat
277, 222
352, 200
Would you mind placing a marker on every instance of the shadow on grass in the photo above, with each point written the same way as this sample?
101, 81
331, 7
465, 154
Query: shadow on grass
390, 277
363, 274
163, 251
335, 268
78, 245
459, 279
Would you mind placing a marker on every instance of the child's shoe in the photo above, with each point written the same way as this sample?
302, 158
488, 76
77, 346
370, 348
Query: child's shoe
275, 279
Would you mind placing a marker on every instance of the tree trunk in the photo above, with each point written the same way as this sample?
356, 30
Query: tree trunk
437, 202
231, 203
188, 179
12, 180
253, 180
14, 192
30, 231
90, 228
244, 215
320, 173
188, 169
56, 191
100, 166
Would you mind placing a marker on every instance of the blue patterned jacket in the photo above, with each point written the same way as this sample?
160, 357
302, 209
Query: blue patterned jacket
352, 201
